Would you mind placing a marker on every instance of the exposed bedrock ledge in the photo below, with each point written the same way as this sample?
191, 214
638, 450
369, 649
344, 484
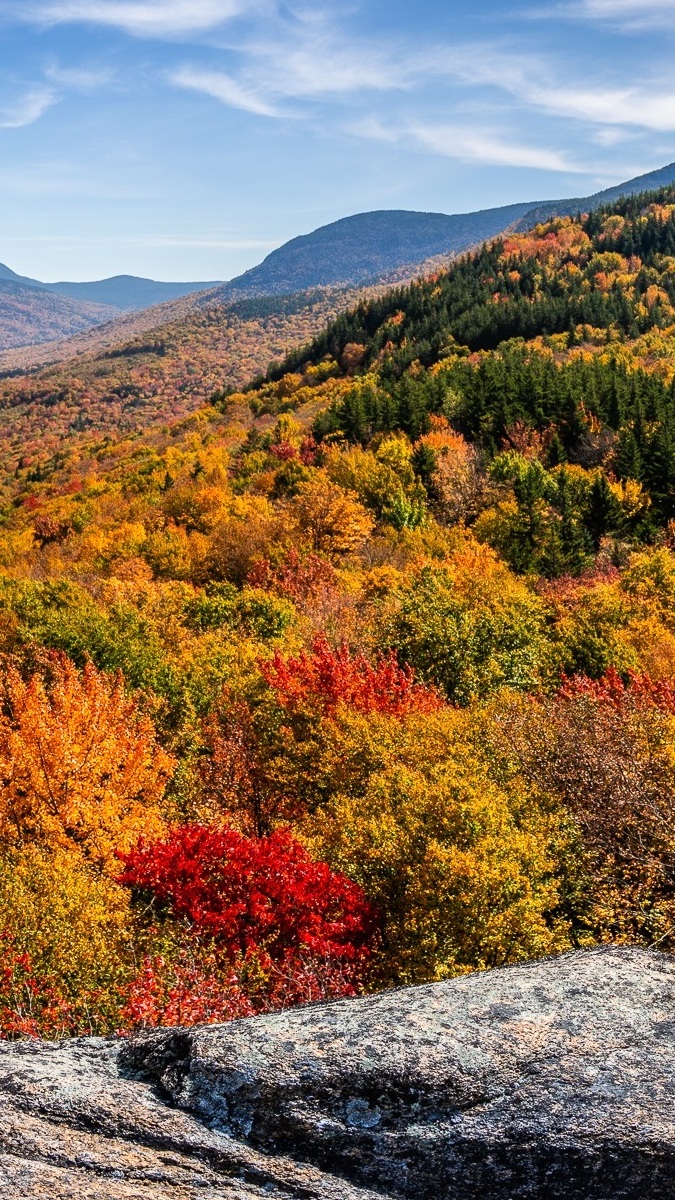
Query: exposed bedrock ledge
551, 1080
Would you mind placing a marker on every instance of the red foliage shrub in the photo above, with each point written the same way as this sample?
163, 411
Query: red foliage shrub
284, 451
183, 993
252, 896
336, 676
309, 451
30, 1006
196, 990
612, 689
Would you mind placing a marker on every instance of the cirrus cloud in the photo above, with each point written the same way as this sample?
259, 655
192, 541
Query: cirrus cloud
472, 145
222, 87
27, 108
627, 15
142, 18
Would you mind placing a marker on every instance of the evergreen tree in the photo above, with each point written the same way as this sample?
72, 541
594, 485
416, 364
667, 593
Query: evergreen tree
628, 459
574, 540
424, 463
555, 454
603, 513
660, 473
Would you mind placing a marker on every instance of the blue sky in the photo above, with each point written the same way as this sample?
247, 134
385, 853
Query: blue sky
184, 139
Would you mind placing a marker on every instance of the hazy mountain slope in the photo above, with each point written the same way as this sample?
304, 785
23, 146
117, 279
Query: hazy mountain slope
129, 292
97, 339
6, 274
126, 293
361, 248
33, 315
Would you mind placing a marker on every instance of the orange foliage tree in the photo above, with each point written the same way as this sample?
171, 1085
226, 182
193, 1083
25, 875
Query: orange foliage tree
330, 517
79, 764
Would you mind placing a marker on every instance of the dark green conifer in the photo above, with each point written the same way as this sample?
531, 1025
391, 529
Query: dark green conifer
424, 465
628, 460
556, 454
603, 512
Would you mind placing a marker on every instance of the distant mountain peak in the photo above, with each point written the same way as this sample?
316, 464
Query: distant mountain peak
32, 312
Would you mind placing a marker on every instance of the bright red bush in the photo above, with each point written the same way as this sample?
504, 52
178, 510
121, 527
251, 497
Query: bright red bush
186, 992
336, 676
196, 990
30, 1006
255, 895
265, 927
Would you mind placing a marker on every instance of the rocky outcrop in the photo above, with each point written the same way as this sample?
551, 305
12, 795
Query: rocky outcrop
551, 1080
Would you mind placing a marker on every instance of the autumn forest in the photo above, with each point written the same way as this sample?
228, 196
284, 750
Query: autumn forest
350, 671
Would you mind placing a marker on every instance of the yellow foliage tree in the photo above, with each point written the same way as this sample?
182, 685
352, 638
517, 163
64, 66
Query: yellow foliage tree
331, 517
79, 765
460, 866
249, 532
69, 928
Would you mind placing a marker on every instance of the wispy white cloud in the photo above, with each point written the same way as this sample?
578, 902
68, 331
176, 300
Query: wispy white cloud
486, 147
647, 107
313, 58
636, 8
534, 82
143, 18
612, 136
27, 108
477, 145
299, 59
222, 87
629, 15
34, 100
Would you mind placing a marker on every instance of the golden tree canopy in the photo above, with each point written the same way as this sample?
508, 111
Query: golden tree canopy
79, 765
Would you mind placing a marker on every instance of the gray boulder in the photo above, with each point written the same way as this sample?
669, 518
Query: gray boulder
550, 1080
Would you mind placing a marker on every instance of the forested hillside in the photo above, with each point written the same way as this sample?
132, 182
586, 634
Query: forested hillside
30, 315
161, 370
362, 675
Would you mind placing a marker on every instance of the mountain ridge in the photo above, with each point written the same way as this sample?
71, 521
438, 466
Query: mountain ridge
29, 315
416, 236
356, 251
34, 313
290, 268
127, 293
